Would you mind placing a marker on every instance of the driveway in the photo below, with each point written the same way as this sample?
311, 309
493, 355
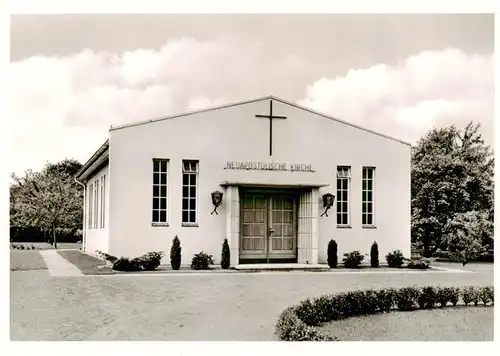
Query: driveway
223, 307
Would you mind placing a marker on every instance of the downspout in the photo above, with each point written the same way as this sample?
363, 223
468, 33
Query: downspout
84, 231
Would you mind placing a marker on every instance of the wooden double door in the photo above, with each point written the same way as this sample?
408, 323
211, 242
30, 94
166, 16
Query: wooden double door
268, 231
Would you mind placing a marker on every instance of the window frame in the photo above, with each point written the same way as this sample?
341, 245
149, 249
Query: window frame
343, 173
90, 198
196, 173
372, 201
160, 197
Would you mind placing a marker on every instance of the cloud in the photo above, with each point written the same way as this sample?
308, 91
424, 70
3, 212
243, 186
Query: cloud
63, 106
430, 89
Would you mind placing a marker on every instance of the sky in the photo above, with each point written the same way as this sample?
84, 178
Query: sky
72, 76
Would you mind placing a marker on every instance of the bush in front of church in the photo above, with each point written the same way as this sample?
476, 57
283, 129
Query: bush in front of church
151, 260
202, 261
226, 255
175, 253
374, 262
353, 259
126, 265
395, 259
332, 254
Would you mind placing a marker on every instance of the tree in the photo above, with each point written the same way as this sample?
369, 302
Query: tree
465, 235
225, 255
374, 262
452, 173
47, 200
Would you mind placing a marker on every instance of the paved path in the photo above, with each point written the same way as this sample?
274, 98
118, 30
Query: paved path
230, 307
58, 266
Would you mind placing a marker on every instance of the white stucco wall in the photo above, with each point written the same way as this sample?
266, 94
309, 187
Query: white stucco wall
97, 238
235, 134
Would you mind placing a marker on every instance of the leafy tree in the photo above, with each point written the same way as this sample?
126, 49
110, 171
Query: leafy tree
465, 235
47, 200
452, 174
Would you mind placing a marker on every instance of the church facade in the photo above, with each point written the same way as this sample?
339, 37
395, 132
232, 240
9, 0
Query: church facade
276, 179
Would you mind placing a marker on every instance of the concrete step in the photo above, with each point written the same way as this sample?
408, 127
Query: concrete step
257, 267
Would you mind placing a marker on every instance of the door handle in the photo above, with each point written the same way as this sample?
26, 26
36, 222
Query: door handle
270, 230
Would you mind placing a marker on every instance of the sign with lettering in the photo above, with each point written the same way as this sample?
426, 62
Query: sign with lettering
269, 166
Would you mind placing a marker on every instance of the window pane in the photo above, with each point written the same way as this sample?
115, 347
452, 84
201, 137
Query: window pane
344, 195
364, 207
370, 185
193, 204
156, 178
370, 173
192, 216
156, 165
339, 219
339, 206
185, 216
156, 203
163, 215
363, 196
156, 190
185, 203
164, 191
185, 179
363, 218
163, 178
344, 207
163, 203
185, 191
364, 184
344, 184
163, 166
369, 207
192, 192
339, 183
192, 179
344, 219
370, 219
155, 215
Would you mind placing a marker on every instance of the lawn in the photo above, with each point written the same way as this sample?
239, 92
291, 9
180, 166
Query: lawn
86, 264
449, 324
23, 260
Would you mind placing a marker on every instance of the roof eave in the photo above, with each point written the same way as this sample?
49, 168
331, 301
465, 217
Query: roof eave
89, 167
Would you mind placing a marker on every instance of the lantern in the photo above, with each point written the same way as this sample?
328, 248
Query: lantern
328, 200
216, 201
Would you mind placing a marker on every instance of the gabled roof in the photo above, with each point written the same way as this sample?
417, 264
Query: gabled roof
253, 101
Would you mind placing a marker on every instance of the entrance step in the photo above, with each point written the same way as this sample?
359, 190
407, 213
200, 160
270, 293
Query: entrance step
257, 267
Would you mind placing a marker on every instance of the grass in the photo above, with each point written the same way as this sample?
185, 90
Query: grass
24, 260
448, 324
86, 264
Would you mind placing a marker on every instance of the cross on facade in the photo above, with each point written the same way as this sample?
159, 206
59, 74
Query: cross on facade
270, 117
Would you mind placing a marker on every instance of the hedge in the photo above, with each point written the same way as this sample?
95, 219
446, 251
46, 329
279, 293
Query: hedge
298, 322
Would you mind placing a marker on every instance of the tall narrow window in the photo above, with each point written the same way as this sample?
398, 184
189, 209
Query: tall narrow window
343, 184
189, 193
90, 194
160, 190
96, 204
367, 217
101, 216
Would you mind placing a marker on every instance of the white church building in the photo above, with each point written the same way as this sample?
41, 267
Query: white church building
291, 179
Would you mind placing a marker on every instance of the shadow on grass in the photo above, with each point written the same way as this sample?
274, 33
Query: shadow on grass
85, 263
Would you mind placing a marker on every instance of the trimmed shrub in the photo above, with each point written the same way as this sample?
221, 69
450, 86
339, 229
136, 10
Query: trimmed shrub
419, 264
445, 295
428, 298
395, 259
406, 298
374, 255
202, 261
126, 265
486, 294
386, 298
353, 259
226, 255
151, 260
296, 323
470, 295
332, 254
175, 254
